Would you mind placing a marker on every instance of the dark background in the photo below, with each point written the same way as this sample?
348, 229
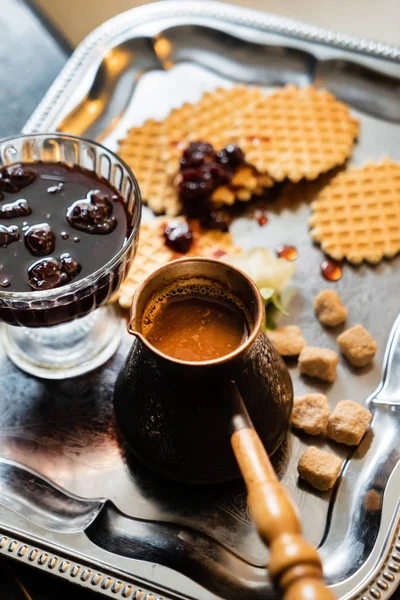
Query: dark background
32, 54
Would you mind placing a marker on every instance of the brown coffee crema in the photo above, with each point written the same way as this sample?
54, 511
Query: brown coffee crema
195, 323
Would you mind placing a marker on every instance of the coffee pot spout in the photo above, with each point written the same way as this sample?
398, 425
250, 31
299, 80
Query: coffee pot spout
132, 328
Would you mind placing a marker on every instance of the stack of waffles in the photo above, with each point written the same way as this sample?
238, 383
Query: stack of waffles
293, 134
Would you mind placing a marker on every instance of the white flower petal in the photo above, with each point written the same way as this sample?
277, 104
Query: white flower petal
263, 267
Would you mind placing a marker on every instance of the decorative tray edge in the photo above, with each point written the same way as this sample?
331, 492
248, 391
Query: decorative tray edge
381, 581
175, 8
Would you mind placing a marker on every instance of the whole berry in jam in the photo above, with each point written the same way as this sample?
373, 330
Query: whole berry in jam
196, 155
15, 177
196, 184
178, 236
49, 273
70, 265
203, 170
92, 214
40, 240
230, 157
8, 235
12, 210
218, 173
46, 274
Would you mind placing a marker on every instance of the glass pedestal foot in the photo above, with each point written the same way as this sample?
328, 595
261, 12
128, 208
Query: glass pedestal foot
66, 350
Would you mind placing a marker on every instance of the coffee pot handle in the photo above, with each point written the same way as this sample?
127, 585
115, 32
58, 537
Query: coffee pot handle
294, 565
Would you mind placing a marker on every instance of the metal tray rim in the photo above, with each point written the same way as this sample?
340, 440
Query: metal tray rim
190, 8
382, 580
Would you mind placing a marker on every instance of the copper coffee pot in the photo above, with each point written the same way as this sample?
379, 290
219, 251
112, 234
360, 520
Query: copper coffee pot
181, 417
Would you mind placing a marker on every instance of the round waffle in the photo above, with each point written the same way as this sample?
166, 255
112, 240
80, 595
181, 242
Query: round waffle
293, 133
300, 133
220, 117
357, 215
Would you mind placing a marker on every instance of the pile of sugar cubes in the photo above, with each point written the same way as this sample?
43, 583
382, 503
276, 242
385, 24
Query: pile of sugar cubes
349, 421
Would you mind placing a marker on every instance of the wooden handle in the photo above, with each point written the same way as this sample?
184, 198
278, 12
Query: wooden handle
295, 565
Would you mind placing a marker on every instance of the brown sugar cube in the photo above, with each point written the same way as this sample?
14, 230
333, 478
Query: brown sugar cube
311, 413
287, 340
357, 345
373, 500
348, 423
329, 308
318, 362
319, 468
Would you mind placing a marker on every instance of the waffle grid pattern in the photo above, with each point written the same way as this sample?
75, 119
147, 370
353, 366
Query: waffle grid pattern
152, 253
310, 132
357, 216
141, 150
293, 133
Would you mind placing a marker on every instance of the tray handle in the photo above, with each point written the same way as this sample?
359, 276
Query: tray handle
295, 565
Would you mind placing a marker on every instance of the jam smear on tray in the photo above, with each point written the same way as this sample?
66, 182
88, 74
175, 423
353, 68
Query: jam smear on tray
217, 220
43, 219
261, 217
288, 252
331, 270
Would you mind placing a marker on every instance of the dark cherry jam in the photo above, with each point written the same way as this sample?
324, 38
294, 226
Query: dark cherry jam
13, 210
178, 236
230, 157
16, 177
44, 206
49, 273
40, 240
8, 235
216, 219
202, 170
92, 214
53, 189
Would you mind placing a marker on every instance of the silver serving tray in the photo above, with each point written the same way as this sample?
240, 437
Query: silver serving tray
73, 501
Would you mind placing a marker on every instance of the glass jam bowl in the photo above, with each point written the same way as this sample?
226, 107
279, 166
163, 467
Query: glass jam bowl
70, 330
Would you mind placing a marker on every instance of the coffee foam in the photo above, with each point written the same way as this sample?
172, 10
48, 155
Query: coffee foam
207, 289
